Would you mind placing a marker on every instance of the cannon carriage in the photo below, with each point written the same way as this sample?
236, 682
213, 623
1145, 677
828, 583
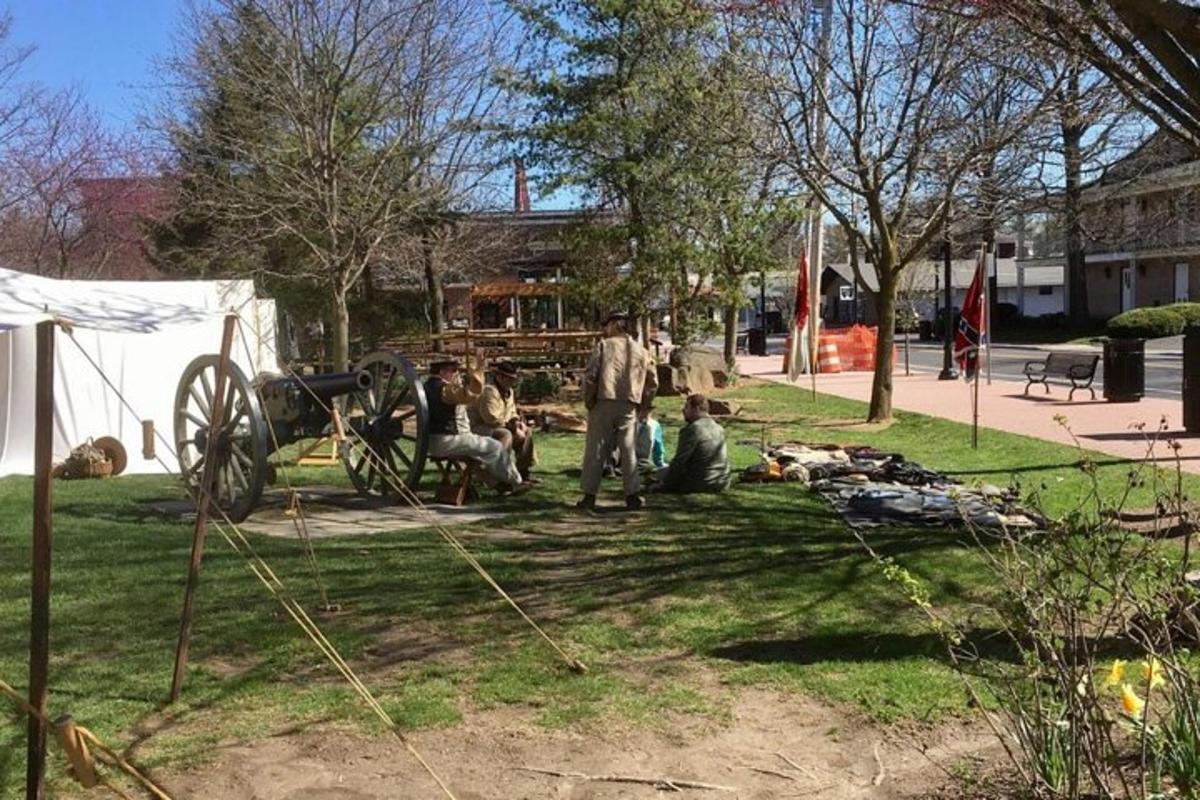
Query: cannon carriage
380, 405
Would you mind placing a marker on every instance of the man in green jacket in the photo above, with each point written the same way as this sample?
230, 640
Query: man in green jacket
700, 463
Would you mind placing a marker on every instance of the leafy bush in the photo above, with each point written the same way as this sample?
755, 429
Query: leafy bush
1146, 323
1005, 313
1189, 311
538, 386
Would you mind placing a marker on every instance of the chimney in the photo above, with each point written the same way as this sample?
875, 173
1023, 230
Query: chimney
521, 189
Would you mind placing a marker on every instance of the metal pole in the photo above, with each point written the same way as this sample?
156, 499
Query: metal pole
948, 372
990, 261
43, 534
762, 309
817, 229
208, 479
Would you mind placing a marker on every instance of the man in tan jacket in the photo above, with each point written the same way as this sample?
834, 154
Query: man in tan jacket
618, 385
495, 414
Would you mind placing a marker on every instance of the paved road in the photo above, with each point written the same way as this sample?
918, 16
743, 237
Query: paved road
1164, 371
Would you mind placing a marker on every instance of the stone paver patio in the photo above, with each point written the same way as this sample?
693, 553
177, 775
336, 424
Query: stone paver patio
1102, 426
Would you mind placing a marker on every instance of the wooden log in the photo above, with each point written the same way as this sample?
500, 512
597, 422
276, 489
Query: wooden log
82, 764
43, 530
207, 485
148, 439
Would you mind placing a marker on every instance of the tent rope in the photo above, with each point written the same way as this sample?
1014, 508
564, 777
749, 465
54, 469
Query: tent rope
296, 508
277, 589
113, 760
415, 502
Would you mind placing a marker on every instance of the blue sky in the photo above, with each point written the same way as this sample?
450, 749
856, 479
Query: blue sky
106, 48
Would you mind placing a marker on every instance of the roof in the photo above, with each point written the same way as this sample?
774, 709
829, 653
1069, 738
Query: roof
926, 275
501, 289
128, 306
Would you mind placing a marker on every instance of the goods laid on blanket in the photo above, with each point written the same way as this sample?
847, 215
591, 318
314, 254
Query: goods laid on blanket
869, 487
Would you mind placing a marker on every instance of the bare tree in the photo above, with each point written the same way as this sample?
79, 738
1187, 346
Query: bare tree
1146, 48
57, 225
882, 131
304, 138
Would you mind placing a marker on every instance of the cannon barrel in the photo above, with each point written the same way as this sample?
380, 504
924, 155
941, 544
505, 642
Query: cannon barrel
334, 384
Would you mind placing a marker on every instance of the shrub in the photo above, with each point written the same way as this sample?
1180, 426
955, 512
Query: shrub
538, 386
1189, 311
1146, 323
1005, 313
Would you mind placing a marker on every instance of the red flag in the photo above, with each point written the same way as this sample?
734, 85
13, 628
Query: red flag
801, 312
970, 324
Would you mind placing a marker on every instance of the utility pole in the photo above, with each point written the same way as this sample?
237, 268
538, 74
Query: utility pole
816, 241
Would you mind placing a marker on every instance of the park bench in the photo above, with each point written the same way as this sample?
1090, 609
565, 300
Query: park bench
1078, 368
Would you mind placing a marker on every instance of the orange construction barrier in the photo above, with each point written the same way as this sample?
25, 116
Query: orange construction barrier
827, 357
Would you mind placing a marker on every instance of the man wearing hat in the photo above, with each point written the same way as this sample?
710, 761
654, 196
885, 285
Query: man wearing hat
618, 385
450, 433
495, 414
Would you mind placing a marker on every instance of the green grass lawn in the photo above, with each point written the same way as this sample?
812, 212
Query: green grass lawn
673, 609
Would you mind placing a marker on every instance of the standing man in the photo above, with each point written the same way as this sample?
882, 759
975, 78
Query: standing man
701, 463
450, 433
618, 385
495, 414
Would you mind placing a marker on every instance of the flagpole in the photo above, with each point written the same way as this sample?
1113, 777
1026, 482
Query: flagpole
975, 407
989, 260
816, 229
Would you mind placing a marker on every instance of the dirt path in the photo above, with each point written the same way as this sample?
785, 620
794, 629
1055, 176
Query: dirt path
835, 756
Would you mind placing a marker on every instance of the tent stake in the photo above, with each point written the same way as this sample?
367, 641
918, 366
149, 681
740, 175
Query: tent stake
43, 530
207, 485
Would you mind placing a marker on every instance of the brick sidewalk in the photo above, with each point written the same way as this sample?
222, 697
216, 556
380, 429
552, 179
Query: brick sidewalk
1101, 426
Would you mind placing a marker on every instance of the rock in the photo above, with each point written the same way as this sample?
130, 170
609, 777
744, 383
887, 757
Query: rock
722, 408
694, 368
666, 381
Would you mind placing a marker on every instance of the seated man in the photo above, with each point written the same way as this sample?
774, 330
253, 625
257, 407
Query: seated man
495, 414
450, 429
700, 463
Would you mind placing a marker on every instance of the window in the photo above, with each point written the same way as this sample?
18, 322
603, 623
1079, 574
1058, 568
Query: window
1006, 250
845, 292
1045, 290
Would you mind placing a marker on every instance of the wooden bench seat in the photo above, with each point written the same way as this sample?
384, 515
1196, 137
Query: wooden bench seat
1078, 368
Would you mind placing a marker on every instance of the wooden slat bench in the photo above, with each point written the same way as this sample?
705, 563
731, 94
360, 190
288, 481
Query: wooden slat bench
1078, 368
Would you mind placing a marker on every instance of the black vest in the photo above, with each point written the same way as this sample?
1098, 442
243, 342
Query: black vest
443, 417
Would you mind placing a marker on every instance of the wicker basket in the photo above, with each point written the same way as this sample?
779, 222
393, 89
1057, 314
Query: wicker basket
98, 469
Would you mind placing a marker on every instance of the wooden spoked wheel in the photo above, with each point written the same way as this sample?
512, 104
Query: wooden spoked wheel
389, 427
236, 444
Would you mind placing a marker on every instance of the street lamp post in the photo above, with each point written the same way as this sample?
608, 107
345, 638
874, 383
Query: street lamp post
948, 372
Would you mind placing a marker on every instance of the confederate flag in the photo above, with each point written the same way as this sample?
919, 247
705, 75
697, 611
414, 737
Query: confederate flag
970, 324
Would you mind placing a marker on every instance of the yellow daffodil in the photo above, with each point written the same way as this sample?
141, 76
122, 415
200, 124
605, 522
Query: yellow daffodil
1133, 705
1116, 675
1152, 672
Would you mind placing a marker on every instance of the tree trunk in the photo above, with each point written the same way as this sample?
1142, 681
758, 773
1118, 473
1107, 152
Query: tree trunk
341, 329
731, 325
881, 385
437, 296
1076, 267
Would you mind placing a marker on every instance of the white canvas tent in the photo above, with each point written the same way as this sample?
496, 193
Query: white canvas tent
142, 334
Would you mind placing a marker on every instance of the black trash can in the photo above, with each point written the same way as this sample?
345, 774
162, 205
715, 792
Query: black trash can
1124, 370
756, 342
925, 330
1191, 379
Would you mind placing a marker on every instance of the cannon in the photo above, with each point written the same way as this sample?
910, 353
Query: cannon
381, 403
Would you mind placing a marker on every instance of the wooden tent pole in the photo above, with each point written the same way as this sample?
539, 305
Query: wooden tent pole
204, 496
43, 529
